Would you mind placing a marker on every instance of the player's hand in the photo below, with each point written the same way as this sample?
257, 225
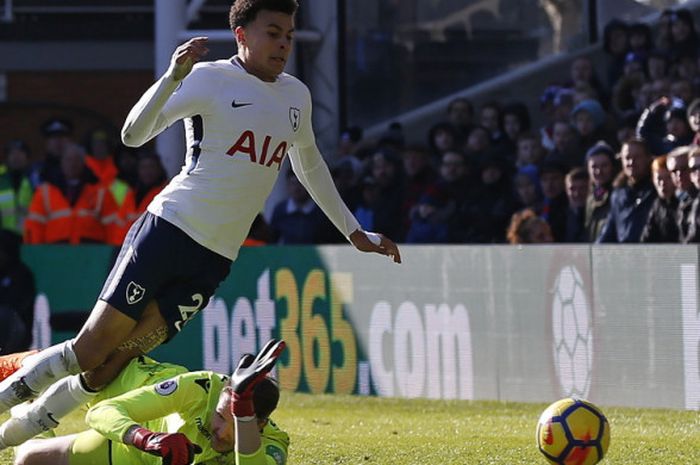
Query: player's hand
249, 372
386, 246
185, 56
175, 448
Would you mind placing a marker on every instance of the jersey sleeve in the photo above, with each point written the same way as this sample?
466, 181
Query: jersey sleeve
193, 96
165, 102
113, 417
306, 136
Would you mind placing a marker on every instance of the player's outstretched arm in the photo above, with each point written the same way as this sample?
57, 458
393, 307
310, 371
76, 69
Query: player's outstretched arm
145, 120
308, 165
250, 371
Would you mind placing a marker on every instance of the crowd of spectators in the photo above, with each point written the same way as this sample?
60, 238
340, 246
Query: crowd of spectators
612, 162
75, 193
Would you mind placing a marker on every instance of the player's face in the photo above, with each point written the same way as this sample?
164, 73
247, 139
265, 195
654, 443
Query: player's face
221, 426
266, 43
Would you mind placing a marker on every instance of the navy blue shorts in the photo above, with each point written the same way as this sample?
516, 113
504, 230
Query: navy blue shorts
159, 261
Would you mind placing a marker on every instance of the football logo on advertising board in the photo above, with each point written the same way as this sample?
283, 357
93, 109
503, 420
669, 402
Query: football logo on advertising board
571, 329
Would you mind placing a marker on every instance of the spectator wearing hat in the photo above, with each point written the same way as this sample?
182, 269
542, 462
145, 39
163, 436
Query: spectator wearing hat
662, 224
600, 162
664, 126
57, 134
632, 197
588, 119
577, 187
555, 203
527, 189
616, 45
555, 104
73, 209
17, 294
15, 188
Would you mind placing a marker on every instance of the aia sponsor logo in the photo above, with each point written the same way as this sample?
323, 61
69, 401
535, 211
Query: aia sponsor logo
263, 154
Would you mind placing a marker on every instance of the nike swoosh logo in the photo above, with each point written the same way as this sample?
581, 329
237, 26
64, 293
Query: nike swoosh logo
235, 104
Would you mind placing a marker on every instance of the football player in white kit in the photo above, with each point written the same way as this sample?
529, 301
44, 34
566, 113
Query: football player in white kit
242, 117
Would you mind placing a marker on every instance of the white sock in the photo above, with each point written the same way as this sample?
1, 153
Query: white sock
38, 372
50, 365
44, 413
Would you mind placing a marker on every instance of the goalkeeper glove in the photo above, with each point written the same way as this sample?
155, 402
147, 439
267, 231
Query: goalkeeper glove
175, 448
250, 371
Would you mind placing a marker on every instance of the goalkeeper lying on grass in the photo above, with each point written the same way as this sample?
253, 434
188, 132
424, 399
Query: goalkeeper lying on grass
184, 417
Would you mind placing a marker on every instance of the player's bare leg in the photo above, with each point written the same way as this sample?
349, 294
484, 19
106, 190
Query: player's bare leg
74, 391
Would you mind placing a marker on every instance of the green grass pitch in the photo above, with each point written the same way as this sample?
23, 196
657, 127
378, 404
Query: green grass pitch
369, 430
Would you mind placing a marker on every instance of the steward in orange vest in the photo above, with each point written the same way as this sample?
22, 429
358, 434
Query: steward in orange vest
74, 209
99, 159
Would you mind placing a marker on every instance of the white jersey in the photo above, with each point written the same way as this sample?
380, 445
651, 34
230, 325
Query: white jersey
238, 130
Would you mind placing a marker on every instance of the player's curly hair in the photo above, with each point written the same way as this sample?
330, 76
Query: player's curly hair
244, 12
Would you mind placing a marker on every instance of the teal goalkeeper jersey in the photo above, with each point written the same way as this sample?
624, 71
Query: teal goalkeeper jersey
181, 404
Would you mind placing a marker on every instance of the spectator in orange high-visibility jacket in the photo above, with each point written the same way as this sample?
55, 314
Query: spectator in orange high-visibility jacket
73, 209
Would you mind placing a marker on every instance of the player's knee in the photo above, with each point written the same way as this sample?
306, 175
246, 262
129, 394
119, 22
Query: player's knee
97, 378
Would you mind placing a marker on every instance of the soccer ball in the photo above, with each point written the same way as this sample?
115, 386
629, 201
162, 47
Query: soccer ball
573, 432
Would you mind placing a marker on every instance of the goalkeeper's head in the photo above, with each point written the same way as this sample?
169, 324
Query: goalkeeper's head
266, 396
